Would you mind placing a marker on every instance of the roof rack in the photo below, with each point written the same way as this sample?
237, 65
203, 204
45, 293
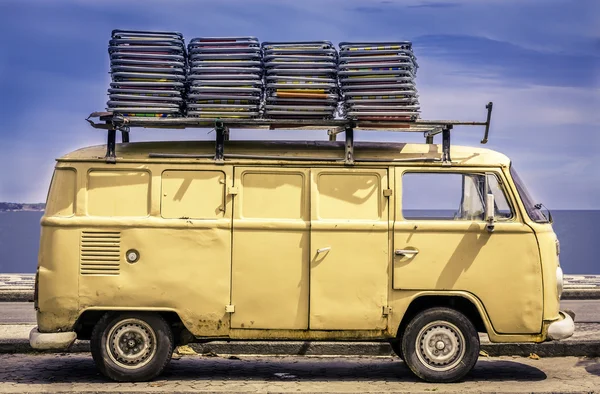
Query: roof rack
115, 122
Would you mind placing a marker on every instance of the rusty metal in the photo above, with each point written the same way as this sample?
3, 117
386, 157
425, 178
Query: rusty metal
272, 124
125, 134
489, 107
220, 129
332, 134
349, 146
111, 155
430, 128
446, 144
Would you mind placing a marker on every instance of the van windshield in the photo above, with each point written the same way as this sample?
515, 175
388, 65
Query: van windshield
531, 207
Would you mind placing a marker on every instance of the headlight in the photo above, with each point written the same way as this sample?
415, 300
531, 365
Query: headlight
559, 281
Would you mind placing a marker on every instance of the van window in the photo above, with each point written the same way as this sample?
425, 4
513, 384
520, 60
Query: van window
273, 195
451, 196
502, 209
61, 197
532, 210
349, 195
193, 194
118, 193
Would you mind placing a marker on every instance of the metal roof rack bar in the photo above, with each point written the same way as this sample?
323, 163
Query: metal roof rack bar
113, 122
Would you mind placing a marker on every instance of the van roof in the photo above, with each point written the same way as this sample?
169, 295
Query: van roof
188, 151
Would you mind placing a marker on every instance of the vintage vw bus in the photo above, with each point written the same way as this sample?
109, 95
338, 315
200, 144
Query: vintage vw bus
422, 245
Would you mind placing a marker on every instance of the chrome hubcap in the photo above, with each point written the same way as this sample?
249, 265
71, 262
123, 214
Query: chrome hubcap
440, 345
131, 343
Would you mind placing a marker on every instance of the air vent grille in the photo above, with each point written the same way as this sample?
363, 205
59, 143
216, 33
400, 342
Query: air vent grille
100, 252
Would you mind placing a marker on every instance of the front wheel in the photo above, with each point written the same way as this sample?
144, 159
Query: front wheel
440, 345
131, 347
396, 345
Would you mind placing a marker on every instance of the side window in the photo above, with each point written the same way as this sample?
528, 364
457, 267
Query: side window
431, 195
451, 196
473, 196
193, 194
118, 193
502, 209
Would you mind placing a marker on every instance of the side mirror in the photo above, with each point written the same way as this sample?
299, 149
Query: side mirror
489, 211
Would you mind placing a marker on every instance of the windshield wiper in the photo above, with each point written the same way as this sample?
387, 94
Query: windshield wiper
539, 207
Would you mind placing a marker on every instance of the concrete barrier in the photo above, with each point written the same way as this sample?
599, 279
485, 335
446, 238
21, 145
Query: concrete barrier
19, 287
581, 287
16, 295
16, 287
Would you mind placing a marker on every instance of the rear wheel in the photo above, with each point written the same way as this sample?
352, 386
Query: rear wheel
440, 345
131, 347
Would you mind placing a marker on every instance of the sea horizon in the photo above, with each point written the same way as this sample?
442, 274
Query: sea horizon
576, 229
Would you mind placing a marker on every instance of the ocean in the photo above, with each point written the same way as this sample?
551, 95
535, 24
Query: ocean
578, 232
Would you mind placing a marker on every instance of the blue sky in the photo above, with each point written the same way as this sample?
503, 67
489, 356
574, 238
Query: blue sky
538, 61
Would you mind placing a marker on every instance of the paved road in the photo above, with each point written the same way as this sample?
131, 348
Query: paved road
587, 311
17, 313
76, 373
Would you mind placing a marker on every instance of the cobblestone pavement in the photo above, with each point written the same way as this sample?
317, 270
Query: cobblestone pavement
76, 373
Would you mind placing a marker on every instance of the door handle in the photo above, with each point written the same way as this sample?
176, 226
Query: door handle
322, 250
406, 252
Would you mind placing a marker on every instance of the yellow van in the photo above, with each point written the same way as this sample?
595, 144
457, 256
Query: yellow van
421, 245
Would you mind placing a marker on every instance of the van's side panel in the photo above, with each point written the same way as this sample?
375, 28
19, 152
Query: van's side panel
502, 268
184, 261
179, 215
270, 278
548, 252
349, 249
58, 301
548, 248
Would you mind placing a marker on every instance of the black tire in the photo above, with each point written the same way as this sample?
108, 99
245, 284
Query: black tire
396, 345
142, 346
448, 345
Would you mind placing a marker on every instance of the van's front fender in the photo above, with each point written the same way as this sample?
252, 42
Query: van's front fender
400, 302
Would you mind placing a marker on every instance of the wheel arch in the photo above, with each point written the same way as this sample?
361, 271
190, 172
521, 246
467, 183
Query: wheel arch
90, 317
468, 306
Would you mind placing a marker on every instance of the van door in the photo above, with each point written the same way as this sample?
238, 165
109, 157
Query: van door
441, 243
349, 249
271, 220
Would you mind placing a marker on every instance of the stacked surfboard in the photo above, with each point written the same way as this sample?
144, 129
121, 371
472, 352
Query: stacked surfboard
377, 80
148, 71
301, 79
225, 77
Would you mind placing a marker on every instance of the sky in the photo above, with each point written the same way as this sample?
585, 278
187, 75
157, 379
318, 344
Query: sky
538, 61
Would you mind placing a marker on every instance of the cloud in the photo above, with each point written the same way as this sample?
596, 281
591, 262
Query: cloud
536, 60
372, 10
510, 63
435, 4
31, 158
545, 130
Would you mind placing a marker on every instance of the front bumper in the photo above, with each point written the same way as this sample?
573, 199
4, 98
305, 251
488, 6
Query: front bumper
562, 328
51, 340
